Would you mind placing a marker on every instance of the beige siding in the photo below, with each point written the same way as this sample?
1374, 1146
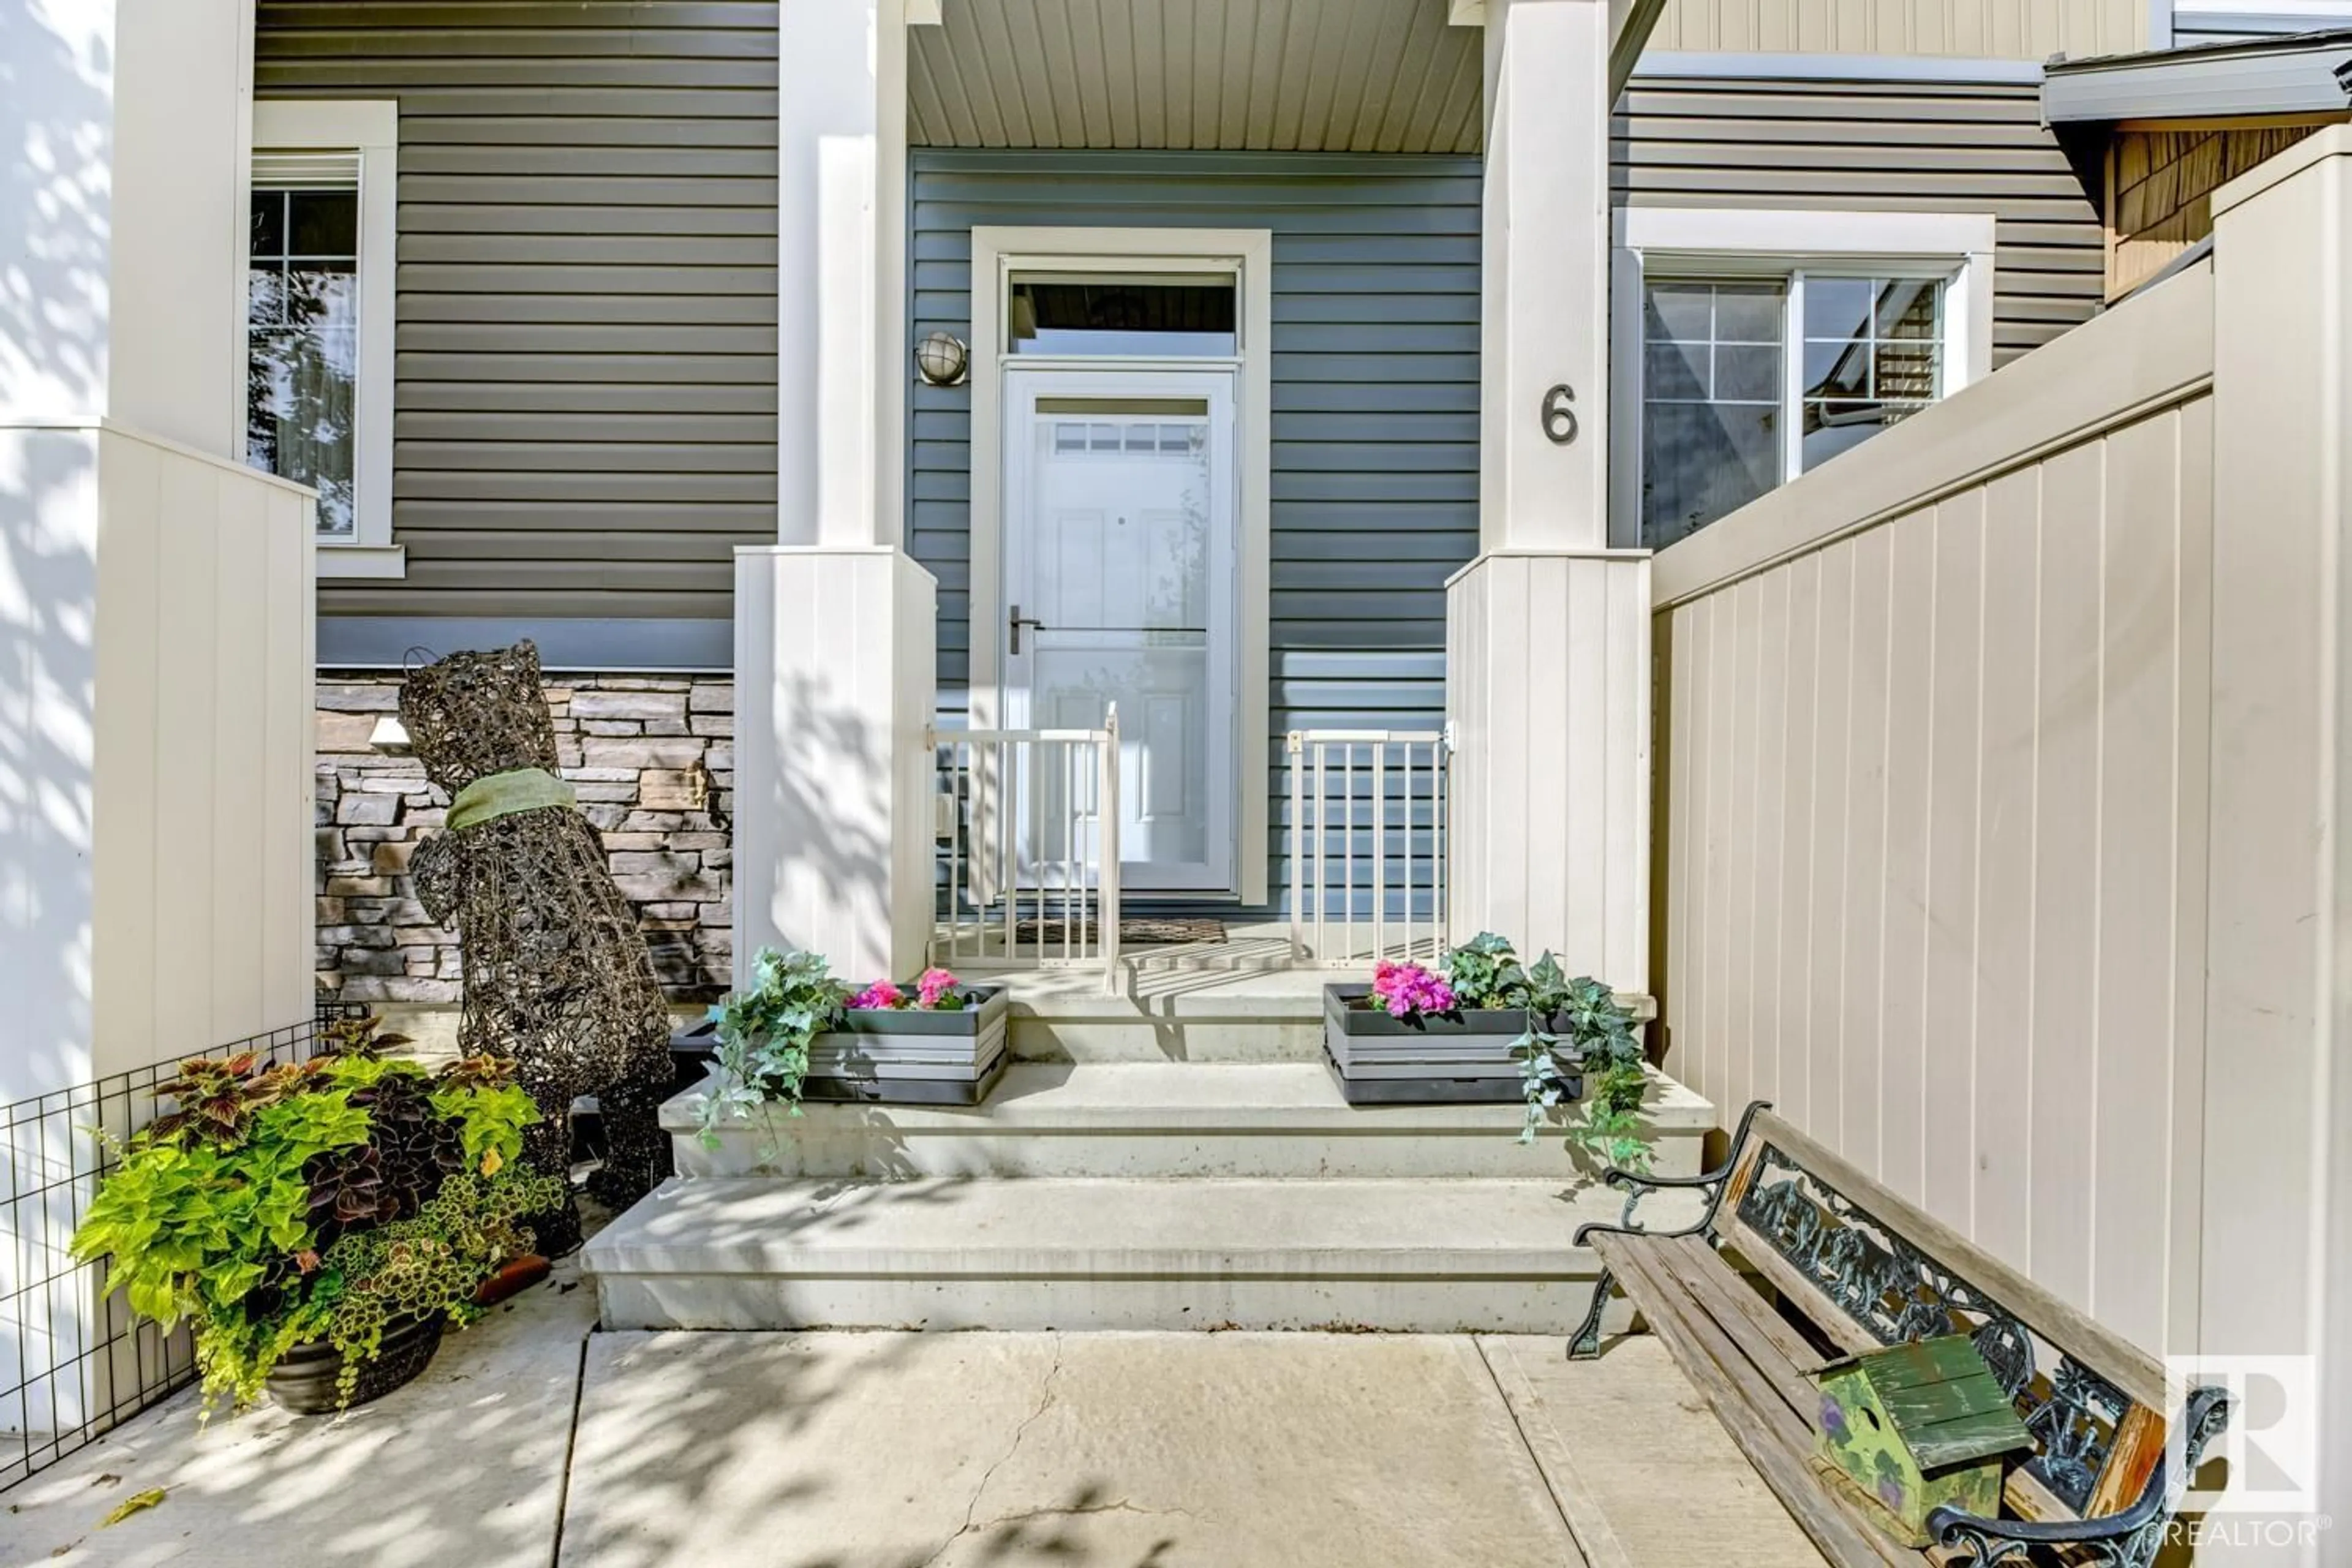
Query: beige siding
155, 746
1976, 29
1932, 833
1948, 147
1548, 829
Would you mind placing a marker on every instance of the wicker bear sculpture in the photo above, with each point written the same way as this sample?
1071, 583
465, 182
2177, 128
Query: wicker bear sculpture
556, 973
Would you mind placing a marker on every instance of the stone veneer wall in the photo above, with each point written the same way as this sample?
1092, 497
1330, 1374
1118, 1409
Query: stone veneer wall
653, 760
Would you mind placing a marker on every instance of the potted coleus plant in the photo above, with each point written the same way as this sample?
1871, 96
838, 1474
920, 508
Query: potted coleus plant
934, 1041
319, 1224
1415, 1035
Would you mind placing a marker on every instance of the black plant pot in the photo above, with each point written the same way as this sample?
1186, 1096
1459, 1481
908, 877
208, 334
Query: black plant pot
305, 1377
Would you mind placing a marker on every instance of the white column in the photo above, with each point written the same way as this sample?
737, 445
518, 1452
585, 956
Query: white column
834, 670
155, 611
836, 627
842, 362
1544, 321
2276, 1255
128, 127
1548, 654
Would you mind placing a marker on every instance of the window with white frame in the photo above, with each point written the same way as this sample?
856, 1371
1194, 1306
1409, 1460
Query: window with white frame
1756, 365
318, 306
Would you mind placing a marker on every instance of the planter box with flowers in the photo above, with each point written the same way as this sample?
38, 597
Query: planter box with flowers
319, 1224
1417, 1037
937, 1042
1485, 1028
796, 1033
1404, 1039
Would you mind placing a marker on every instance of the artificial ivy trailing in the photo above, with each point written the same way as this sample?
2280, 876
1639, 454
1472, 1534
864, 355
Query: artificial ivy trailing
1599, 1033
1575, 1028
764, 1032
1484, 973
325, 1200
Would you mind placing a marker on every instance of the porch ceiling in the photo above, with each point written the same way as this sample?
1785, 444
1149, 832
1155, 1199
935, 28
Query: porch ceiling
1363, 75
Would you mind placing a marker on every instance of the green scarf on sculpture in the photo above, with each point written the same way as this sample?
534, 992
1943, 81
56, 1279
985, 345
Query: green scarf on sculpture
503, 794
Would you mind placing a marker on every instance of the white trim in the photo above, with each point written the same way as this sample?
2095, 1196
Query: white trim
2160, 23
1727, 66
996, 252
371, 128
1957, 247
339, 560
2308, 15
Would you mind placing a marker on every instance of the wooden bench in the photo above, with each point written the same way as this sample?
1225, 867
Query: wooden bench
1854, 1268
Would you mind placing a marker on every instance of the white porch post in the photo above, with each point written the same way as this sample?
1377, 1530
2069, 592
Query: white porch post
1548, 656
155, 625
155, 599
835, 625
129, 125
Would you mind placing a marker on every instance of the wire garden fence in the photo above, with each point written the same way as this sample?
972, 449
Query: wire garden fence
73, 1362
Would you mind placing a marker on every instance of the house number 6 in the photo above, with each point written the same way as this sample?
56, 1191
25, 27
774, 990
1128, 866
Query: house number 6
1559, 419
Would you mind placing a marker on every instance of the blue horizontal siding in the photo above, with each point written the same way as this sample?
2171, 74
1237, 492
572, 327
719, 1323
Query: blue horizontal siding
1375, 390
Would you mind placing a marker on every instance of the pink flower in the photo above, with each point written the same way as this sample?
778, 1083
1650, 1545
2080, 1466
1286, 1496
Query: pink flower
1408, 990
881, 993
932, 985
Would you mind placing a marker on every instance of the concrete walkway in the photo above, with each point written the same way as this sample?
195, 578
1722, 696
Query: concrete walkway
535, 1443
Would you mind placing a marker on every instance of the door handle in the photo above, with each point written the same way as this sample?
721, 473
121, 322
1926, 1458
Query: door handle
1014, 621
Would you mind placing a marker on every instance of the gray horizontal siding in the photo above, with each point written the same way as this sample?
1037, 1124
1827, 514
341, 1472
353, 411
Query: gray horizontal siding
1375, 388
584, 415
1921, 147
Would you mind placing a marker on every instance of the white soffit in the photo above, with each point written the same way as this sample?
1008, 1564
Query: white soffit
1363, 75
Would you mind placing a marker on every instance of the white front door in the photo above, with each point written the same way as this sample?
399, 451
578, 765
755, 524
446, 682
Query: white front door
1120, 572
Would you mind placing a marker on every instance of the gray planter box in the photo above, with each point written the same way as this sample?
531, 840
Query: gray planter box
913, 1056
1381, 1060
910, 1057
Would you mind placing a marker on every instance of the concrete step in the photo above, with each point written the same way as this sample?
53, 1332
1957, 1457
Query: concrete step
1174, 1005
1104, 1254
1165, 1118
1176, 1013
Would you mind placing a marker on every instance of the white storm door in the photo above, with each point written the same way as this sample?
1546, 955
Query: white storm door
1121, 510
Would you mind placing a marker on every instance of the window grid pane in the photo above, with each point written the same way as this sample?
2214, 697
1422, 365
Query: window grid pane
1872, 356
302, 345
1713, 392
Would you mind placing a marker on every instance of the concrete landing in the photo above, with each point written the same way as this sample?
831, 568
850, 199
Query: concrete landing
464, 1466
1091, 1451
1103, 1254
1166, 1119
523, 1447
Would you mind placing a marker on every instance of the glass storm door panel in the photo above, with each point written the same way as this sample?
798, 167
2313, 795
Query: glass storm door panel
1119, 567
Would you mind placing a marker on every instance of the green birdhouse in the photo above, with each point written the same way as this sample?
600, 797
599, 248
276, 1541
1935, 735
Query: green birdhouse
1916, 1427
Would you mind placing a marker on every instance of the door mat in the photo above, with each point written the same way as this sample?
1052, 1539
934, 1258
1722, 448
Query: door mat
1134, 931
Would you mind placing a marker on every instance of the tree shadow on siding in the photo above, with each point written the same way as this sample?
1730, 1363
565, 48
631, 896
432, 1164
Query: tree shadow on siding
54, 129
